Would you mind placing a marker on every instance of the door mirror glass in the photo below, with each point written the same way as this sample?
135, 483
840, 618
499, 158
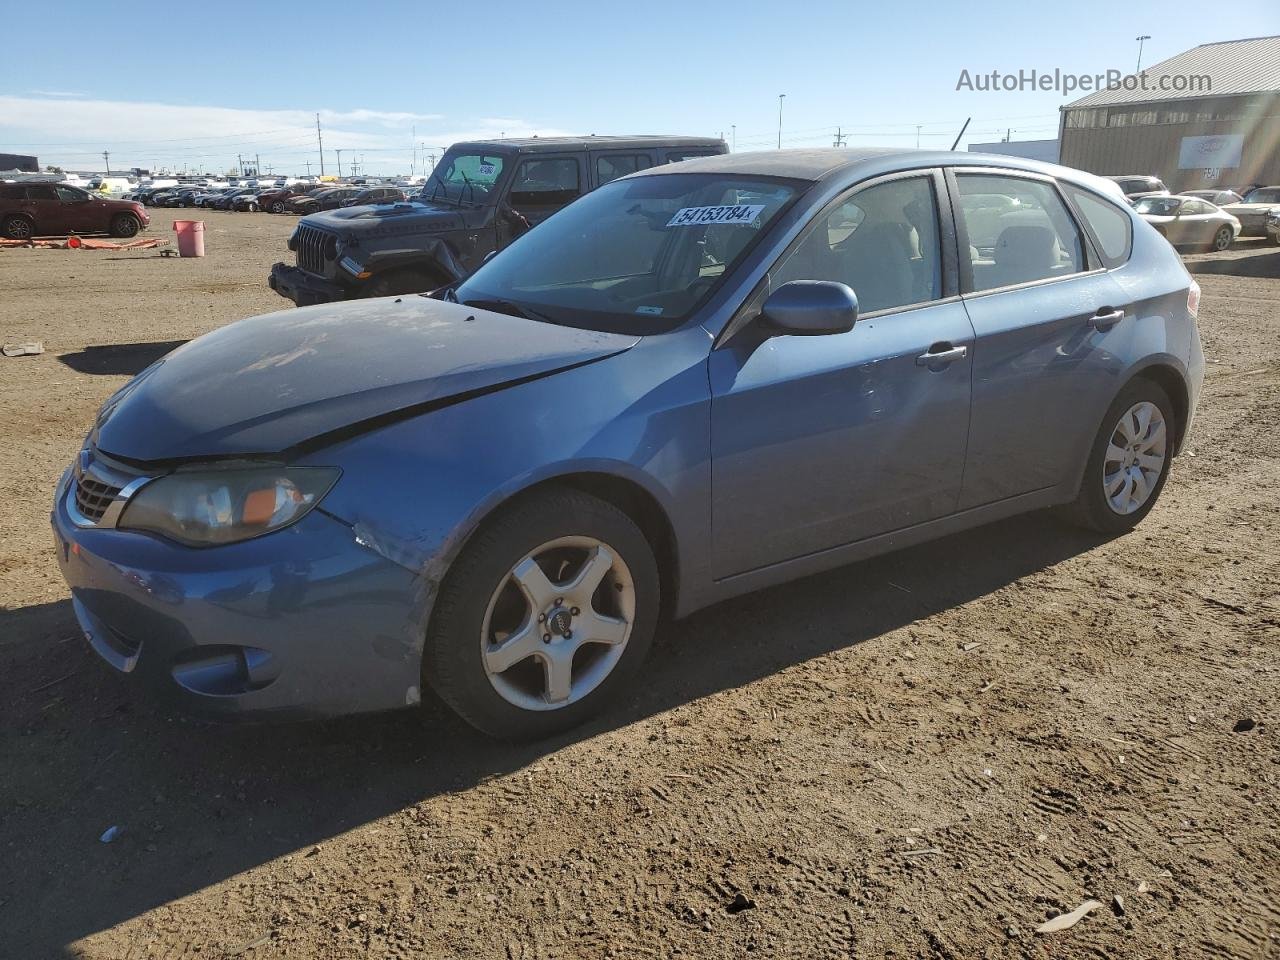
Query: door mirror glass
808, 308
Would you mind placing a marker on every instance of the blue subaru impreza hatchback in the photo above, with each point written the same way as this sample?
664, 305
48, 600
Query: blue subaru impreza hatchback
694, 382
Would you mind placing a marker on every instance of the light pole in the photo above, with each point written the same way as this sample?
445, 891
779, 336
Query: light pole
734, 128
1145, 36
780, 96
918, 126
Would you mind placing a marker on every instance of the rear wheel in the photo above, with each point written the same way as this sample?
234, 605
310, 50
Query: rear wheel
1129, 462
277, 206
18, 228
125, 225
1222, 239
545, 618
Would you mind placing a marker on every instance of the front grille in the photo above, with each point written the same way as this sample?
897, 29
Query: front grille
314, 248
93, 496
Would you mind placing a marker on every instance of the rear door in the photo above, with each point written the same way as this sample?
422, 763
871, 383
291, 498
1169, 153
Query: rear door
1043, 308
46, 209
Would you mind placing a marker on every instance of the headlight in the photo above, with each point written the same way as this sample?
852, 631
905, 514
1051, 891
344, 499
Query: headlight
210, 507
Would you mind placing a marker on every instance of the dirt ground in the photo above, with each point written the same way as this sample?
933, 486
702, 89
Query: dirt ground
925, 755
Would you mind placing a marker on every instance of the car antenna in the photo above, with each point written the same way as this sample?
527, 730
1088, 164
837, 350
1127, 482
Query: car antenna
961, 133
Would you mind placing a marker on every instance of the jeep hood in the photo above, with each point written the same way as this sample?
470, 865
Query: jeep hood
389, 219
278, 382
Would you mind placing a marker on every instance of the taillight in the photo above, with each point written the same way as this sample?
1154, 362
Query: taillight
1193, 299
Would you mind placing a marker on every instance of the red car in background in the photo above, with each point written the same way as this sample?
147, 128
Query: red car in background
56, 209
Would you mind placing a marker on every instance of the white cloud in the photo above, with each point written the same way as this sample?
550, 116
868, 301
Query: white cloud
73, 131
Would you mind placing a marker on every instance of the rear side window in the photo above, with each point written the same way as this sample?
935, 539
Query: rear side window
675, 156
40, 193
1018, 231
612, 166
1111, 226
546, 182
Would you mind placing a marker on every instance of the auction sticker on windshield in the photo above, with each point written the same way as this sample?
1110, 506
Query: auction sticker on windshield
732, 213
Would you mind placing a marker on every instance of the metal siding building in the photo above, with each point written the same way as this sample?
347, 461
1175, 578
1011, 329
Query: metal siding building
1225, 134
18, 161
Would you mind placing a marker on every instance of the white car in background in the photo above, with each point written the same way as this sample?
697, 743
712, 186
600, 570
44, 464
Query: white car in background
1189, 221
1253, 208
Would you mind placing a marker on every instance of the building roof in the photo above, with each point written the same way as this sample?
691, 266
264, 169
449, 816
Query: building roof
1234, 67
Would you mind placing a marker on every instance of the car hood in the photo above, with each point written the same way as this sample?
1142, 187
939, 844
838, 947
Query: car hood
300, 378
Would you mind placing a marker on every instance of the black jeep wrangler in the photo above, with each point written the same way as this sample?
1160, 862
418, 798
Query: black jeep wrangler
479, 198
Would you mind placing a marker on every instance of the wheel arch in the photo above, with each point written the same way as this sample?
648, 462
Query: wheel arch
1172, 381
628, 494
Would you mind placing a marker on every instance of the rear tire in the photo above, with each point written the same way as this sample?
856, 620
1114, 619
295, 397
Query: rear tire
513, 699
18, 228
277, 206
1129, 461
125, 225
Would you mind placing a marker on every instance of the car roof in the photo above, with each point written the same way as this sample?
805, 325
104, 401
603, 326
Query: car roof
558, 144
837, 163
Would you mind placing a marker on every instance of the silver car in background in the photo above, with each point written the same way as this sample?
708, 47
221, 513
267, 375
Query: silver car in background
1189, 221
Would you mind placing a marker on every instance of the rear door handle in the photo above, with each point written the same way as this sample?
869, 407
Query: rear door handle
941, 355
1105, 319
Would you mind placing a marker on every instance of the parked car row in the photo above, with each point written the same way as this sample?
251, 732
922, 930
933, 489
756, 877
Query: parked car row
1212, 218
300, 198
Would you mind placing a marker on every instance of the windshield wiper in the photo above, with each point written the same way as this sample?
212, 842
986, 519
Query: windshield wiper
436, 178
509, 307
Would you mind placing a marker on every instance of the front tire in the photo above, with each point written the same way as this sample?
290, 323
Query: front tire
277, 206
545, 617
1129, 462
125, 225
1222, 239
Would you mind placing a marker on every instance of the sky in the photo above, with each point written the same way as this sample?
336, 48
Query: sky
392, 81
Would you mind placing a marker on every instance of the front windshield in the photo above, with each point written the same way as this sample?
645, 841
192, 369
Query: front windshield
1158, 206
464, 178
637, 255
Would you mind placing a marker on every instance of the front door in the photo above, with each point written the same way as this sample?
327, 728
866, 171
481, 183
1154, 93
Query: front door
822, 441
544, 183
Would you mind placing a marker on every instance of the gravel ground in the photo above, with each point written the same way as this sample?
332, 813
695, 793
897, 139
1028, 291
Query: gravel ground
926, 754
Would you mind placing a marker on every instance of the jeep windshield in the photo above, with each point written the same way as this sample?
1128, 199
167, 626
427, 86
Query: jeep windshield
463, 179
636, 256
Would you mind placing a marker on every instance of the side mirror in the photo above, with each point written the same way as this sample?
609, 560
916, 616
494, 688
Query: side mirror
810, 308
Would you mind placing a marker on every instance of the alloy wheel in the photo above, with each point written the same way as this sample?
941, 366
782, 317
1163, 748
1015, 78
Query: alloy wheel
1222, 239
558, 623
1135, 458
19, 229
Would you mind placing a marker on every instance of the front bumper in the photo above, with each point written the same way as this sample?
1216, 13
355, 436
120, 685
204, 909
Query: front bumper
302, 622
304, 289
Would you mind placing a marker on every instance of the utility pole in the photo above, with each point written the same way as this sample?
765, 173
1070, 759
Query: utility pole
308, 168
734, 128
339, 153
780, 96
1145, 36
414, 162
918, 126
320, 140
840, 138
106, 158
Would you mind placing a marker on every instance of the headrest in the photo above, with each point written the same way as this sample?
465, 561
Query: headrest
1027, 247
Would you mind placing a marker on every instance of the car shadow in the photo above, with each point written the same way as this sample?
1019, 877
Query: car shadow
118, 359
197, 804
1254, 264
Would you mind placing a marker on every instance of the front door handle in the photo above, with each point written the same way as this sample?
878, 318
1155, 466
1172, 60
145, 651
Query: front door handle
941, 355
1106, 318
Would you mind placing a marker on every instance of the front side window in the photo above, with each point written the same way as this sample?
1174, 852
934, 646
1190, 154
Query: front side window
1018, 231
1111, 225
635, 256
545, 182
882, 242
